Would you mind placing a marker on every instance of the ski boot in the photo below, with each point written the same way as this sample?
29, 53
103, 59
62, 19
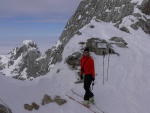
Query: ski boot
91, 99
86, 103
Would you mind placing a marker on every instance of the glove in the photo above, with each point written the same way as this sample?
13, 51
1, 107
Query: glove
93, 79
81, 77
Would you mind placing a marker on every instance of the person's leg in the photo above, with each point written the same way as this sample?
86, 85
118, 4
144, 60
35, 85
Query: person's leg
87, 84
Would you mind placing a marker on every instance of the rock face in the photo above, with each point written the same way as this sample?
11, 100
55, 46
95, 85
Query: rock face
101, 10
145, 7
26, 61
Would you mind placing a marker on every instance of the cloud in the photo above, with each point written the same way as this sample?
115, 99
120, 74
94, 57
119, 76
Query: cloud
36, 8
35, 17
43, 20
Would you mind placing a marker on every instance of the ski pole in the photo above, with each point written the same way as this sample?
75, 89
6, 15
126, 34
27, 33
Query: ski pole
108, 67
103, 65
110, 52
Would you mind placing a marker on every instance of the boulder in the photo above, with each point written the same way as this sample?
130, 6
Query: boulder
28, 107
118, 39
125, 29
59, 100
79, 33
74, 60
99, 47
35, 106
47, 99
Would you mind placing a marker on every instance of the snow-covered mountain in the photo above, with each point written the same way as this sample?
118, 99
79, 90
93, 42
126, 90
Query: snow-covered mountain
123, 14
127, 87
22, 62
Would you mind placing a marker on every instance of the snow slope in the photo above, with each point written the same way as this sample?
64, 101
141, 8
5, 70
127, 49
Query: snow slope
126, 91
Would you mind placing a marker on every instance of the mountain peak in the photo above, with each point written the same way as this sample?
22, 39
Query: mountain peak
29, 43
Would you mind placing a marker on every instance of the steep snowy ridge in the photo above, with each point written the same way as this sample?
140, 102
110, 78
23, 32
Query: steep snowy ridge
128, 84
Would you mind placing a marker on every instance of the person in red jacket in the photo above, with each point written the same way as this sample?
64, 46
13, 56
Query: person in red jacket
88, 70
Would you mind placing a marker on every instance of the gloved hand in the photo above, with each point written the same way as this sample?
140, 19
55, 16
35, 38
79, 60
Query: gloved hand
81, 77
93, 79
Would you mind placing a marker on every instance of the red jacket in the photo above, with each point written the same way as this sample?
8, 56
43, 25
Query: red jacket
87, 63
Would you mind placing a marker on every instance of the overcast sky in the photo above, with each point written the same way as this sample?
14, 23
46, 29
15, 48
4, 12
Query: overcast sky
35, 17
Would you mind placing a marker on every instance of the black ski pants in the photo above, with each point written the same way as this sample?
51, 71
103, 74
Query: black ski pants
87, 84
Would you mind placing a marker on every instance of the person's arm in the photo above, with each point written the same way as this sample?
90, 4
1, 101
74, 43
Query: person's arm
92, 68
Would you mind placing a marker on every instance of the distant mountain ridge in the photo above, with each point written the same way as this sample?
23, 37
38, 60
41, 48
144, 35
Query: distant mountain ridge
26, 62
21, 62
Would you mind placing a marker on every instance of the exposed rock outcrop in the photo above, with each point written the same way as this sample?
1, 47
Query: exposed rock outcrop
47, 99
145, 7
28, 107
74, 60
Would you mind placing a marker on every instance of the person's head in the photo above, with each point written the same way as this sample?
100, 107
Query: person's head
86, 51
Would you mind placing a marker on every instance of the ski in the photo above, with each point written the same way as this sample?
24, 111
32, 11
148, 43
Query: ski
79, 81
83, 97
80, 103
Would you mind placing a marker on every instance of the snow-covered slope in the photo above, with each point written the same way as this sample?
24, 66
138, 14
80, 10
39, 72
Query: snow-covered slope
126, 91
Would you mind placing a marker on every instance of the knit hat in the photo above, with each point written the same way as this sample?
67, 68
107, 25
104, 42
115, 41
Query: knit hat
86, 49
